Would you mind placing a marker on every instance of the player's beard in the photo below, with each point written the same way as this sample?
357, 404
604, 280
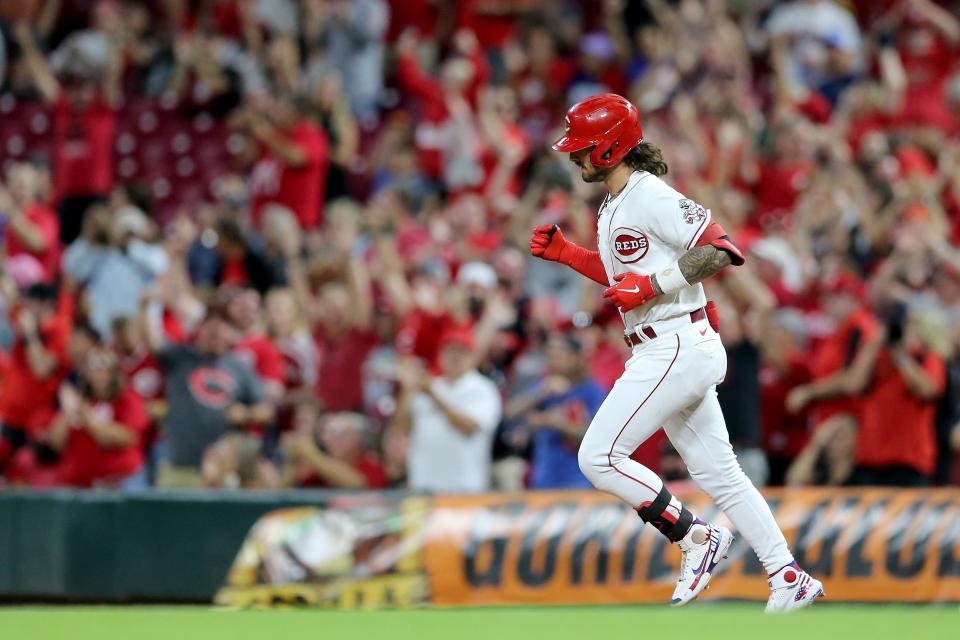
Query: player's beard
594, 174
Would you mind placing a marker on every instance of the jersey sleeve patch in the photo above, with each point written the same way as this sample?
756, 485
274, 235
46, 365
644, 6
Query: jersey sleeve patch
695, 215
629, 245
692, 212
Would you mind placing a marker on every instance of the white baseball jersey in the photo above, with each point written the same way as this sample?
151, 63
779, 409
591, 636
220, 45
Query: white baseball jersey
670, 381
645, 228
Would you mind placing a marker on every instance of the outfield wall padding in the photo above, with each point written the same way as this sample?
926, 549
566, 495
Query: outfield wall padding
107, 546
390, 549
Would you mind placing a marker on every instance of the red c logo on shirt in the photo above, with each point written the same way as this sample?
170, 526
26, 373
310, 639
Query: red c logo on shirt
212, 387
629, 245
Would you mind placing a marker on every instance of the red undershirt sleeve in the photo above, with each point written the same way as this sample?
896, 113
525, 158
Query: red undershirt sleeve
585, 262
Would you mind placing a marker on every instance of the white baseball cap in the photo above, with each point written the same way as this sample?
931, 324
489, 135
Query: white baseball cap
130, 219
478, 273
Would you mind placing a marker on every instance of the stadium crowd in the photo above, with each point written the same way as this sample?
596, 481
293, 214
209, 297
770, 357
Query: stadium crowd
265, 243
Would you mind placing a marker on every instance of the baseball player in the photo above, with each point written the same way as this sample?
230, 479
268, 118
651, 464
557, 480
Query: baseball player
654, 248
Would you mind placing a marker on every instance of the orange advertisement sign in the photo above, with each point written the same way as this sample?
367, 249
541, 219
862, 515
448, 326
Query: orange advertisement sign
866, 545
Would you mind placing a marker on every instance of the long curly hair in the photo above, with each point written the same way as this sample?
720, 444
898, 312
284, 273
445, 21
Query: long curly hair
646, 157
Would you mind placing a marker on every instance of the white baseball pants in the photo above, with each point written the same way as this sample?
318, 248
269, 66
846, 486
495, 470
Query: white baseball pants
670, 381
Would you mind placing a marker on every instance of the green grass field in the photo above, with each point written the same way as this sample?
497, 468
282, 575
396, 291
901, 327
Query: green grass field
706, 621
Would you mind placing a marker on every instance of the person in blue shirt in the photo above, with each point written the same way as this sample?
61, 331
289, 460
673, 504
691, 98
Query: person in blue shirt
555, 412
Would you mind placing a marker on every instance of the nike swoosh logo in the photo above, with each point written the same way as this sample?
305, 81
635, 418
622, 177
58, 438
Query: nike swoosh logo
705, 559
636, 289
703, 332
714, 546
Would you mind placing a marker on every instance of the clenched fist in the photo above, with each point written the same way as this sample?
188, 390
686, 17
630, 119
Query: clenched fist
547, 242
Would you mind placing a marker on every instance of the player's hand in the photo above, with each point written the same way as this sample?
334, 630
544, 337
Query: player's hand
547, 242
631, 291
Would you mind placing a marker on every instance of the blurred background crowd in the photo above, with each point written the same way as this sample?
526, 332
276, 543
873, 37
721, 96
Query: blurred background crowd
266, 243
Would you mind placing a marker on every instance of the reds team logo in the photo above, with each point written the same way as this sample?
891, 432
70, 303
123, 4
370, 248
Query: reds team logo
212, 387
629, 245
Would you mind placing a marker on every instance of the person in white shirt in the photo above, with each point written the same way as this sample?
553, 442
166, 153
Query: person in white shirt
115, 260
451, 418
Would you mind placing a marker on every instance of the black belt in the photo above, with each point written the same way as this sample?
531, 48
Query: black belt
632, 339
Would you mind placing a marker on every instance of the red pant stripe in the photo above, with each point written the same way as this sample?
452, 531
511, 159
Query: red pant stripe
652, 391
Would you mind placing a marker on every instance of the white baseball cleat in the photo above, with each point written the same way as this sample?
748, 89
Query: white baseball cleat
703, 547
792, 588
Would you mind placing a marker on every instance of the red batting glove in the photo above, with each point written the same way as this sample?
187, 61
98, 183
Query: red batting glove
632, 291
547, 242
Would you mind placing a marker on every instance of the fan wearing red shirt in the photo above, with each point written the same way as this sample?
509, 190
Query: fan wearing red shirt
901, 379
292, 160
506, 146
141, 372
139, 366
420, 15
783, 367
345, 337
606, 361
84, 130
38, 361
927, 43
833, 400
341, 460
254, 345
98, 428
287, 326
447, 142
542, 85
784, 173
32, 231
494, 21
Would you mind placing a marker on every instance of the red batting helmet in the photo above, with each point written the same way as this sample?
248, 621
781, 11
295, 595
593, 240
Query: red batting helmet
608, 123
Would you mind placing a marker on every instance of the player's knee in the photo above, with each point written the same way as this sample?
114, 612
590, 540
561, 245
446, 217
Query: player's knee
591, 462
583, 459
596, 462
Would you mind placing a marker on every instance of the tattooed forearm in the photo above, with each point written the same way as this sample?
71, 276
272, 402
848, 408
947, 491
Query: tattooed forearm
702, 262
699, 264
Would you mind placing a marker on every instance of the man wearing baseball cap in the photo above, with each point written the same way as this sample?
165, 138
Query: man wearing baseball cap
451, 417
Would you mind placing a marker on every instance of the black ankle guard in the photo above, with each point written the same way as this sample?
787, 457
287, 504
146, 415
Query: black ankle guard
653, 514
